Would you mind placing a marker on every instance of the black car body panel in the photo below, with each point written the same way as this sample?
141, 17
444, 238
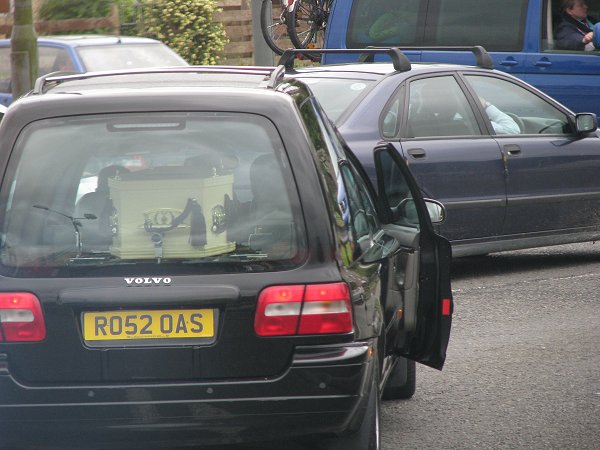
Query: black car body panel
264, 307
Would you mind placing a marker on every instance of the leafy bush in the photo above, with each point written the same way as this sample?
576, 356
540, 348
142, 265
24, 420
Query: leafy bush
187, 26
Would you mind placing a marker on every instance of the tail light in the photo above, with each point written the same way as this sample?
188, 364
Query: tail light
21, 318
304, 309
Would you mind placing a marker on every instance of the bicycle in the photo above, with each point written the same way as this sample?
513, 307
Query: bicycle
274, 24
307, 22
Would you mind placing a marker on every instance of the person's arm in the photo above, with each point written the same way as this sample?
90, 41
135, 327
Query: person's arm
502, 122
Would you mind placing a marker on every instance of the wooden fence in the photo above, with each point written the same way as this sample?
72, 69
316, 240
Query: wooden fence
236, 16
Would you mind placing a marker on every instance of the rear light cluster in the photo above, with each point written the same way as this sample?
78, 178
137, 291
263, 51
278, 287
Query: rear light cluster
304, 309
21, 318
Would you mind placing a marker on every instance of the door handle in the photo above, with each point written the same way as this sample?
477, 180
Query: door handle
510, 62
512, 150
416, 153
544, 62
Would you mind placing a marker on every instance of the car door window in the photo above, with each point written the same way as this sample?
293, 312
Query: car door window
52, 59
387, 21
391, 118
497, 25
533, 114
438, 107
557, 33
358, 209
396, 190
5, 69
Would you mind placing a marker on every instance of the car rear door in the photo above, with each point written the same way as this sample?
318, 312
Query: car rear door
133, 292
451, 158
419, 279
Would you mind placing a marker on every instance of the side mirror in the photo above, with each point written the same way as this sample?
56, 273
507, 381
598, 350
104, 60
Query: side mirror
437, 212
586, 122
407, 211
383, 246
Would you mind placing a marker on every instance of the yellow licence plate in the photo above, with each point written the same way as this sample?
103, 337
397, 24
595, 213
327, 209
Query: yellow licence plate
163, 324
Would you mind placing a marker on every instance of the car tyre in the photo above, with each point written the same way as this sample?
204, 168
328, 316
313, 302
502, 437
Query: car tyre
402, 382
367, 437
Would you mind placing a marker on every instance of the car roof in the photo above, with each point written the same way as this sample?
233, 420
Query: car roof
88, 40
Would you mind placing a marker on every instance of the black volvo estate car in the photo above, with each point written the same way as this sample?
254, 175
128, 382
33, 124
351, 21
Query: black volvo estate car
193, 256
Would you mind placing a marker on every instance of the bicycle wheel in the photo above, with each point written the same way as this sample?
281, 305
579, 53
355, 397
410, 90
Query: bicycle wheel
307, 23
273, 24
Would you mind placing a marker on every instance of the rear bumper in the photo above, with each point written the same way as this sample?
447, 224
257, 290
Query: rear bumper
320, 393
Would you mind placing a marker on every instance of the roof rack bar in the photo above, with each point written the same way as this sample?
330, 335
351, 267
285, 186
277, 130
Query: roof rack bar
276, 75
482, 57
61, 77
399, 60
41, 81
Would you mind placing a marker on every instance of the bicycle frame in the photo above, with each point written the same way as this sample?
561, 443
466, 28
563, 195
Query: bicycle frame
289, 4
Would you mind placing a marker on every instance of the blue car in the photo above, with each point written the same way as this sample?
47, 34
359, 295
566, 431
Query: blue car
521, 35
88, 53
514, 168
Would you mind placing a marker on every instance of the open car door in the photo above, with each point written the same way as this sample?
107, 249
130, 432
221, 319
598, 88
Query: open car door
419, 280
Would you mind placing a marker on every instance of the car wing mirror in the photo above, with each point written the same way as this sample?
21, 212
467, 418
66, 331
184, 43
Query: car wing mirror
384, 245
406, 211
436, 210
586, 123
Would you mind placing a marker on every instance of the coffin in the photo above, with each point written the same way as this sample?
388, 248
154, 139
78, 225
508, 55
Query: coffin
169, 212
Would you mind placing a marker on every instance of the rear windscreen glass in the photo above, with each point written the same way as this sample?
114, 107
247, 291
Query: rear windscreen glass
152, 192
127, 56
495, 25
336, 94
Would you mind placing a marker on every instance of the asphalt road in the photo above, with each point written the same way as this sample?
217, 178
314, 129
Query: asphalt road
523, 365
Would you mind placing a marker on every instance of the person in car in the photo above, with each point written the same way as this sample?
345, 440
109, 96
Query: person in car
502, 122
574, 31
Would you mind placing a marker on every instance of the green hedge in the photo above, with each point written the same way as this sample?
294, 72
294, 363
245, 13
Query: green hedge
187, 26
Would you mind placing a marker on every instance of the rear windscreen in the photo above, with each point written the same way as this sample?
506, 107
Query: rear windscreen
127, 56
149, 193
496, 25
337, 94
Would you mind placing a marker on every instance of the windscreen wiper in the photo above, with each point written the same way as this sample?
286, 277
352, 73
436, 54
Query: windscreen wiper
75, 221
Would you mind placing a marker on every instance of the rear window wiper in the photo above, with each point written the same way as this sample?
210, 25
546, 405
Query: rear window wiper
75, 221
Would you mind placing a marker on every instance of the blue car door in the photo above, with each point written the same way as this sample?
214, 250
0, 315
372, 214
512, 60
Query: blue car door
453, 160
569, 77
552, 173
